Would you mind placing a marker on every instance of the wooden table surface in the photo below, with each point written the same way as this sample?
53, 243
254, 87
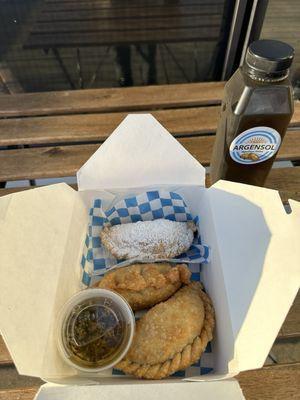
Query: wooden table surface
50, 135
280, 382
78, 23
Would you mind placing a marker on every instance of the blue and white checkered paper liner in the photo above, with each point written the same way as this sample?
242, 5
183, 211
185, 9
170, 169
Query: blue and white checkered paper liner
144, 207
147, 206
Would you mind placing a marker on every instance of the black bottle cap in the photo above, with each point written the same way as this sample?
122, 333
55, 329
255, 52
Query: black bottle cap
269, 57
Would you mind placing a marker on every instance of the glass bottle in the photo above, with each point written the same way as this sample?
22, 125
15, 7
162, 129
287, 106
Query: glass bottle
256, 110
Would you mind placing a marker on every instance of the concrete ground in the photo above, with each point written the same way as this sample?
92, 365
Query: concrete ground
285, 351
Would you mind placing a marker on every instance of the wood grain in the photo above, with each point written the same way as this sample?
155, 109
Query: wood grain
126, 24
97, 127
5, 358
286, 180
51, 162
145, 98
9, 80
133, 13
5, 192
18, 394
113, 99
87, 5
113, 38
291, 326
274, 383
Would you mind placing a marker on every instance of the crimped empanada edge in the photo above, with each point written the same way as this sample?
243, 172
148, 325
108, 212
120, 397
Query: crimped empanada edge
181, 360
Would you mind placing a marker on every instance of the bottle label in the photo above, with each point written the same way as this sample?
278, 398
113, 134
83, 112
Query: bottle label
255, 145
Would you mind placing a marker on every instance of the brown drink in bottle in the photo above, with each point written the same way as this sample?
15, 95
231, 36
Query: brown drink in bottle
256, 110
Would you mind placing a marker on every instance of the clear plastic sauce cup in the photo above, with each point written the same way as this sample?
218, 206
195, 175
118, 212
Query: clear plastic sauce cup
95, 330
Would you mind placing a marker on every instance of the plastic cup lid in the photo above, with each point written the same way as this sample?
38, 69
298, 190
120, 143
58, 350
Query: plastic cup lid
95, 330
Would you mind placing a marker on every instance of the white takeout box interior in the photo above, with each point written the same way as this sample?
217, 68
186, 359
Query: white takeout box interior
252, 278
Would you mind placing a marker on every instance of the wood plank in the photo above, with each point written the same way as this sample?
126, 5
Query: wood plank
6, 191
113, 99
135, 36
133, 3
9, 80
97, 127
126, 24
291, 326
132, 13
285, 180
291, 190
61, 161
5, 358
48, 162
127, 6
274, 382
286, 195
144, 98
18, 394
296, 116
285, 351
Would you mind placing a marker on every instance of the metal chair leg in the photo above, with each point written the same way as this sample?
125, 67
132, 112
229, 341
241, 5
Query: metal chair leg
63, 67
176, 62
164, 64
152, 78
98, 68
124, 61
79, 69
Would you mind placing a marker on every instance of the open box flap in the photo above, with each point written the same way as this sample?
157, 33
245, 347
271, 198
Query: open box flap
34, 231
222, 390
140, 152
255, 237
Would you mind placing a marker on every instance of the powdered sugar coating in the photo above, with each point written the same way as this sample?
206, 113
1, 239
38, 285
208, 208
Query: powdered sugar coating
158, 239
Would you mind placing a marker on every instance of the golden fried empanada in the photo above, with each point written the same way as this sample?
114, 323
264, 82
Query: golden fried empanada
144, 285
148, 240
171, 336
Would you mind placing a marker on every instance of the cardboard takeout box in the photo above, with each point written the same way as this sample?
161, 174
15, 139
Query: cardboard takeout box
252, 279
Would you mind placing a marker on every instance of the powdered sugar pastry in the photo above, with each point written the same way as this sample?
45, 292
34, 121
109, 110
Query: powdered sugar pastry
158, 239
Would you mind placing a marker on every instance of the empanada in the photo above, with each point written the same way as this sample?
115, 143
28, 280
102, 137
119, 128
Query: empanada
172, 335
148, 240
144, 285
